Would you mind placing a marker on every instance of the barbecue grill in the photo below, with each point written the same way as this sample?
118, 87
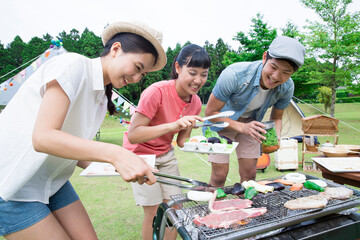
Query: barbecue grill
277, 221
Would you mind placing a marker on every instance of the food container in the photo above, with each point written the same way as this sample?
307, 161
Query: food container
191, 146
286, 157
270, 144
218, 147
204, 147
327, 144
334, 152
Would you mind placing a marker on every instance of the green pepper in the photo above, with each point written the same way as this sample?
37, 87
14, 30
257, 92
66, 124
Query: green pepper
313, 186
220, 193
250, 193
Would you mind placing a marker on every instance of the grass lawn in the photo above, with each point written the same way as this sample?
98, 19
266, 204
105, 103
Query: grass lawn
109, 200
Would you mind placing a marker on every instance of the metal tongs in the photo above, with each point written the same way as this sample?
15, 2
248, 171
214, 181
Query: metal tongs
195, 184
216, 124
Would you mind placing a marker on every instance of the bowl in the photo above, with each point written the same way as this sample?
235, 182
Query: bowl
355, 148
219, 147
334, 152
197, 139
204, 147
190, 146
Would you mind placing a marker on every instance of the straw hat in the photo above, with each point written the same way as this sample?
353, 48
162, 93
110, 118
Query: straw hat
153, 36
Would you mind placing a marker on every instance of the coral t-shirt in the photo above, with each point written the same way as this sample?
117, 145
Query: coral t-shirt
161, 104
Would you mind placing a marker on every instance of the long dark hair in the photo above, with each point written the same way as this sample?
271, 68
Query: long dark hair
192, 56
130, 42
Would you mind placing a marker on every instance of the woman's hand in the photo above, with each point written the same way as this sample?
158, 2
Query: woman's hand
133, 168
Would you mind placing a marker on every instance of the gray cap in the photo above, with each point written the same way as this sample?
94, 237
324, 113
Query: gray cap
287, 48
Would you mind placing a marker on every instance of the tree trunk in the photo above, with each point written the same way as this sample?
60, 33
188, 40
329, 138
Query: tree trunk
333, 88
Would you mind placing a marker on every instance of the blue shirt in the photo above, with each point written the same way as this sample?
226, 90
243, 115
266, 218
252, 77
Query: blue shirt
239, 83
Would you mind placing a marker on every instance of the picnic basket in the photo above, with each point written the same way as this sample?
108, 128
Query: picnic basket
320, 124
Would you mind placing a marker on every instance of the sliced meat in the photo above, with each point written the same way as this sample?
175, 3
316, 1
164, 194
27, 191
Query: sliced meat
296, 187
341, 193
313, 201
226, 219
228, 205
283, 181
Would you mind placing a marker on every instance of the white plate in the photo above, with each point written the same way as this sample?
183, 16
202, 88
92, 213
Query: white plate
225, 152
98, 169
339, 164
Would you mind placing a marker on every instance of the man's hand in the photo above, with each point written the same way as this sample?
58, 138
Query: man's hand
254, 129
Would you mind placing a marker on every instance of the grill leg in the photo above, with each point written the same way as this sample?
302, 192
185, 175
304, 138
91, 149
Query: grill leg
159, 224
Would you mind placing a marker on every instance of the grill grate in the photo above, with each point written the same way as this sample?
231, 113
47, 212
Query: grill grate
274, 202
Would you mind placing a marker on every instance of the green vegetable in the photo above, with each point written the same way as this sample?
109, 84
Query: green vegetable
271, 138
250, 193
220, 193
313, 186
210, 134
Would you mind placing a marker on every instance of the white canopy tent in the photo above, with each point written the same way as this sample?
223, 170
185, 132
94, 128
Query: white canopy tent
291, 122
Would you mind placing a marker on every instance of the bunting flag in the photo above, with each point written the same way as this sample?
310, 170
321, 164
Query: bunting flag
126, 105
120, 101
132, 110
114, 96
11, 86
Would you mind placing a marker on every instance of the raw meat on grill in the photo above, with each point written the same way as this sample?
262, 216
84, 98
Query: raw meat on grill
226, 219
228, 205
341, 193
313, 201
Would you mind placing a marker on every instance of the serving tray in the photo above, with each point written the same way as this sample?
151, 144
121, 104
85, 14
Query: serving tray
101, 169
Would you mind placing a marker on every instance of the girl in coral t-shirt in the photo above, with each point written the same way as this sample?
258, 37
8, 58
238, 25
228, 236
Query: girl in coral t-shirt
166, 108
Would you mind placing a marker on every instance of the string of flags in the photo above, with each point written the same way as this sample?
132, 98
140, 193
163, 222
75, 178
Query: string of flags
9, 87
119, 100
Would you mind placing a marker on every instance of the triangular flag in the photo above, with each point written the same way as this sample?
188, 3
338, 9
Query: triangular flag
34, 66
120, 100
132, 109
114, 96
38, 62
126, 105
23, 74
17, 78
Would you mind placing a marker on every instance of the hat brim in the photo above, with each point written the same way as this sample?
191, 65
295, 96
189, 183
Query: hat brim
122, 27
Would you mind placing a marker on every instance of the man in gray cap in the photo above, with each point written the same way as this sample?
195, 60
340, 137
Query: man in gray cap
249, 89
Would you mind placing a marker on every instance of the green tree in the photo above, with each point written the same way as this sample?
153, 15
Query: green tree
90, 44
334, 41
258, 40
216, 54
324, 96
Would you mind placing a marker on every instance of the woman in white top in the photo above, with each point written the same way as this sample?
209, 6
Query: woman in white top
62, 107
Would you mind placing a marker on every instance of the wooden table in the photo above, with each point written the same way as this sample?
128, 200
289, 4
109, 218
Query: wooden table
350, 178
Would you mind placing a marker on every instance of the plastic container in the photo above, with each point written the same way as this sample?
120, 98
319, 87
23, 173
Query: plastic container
270, 144
286, 158
327, 144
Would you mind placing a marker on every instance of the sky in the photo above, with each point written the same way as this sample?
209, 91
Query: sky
180, 21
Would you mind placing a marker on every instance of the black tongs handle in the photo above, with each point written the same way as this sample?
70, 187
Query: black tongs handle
195, 183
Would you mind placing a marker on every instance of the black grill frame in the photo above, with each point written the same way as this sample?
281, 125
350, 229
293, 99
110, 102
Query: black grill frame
277, 215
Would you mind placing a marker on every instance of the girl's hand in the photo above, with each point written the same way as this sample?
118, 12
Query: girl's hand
186, 122
254, 129
133, 168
